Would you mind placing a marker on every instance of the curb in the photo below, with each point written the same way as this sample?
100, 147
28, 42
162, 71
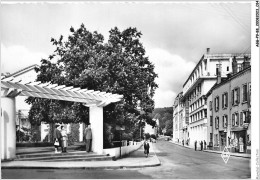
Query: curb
82, 167
157, 157
113, 167
208, 151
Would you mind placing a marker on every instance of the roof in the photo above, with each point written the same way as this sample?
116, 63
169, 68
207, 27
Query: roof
225, 80
24, 70
12, 87
215, 56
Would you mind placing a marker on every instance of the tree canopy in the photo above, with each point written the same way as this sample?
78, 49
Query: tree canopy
165, 116
84, 60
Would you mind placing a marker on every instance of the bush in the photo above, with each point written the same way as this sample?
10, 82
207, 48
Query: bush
38, 144
35, 133
147, 136
21, 136
153, 136
74, 135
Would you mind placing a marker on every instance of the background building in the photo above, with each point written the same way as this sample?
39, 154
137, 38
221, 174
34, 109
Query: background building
178, 118
229, 110
197, 85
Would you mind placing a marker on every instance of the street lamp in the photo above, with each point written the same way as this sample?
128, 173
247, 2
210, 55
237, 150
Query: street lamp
120, 129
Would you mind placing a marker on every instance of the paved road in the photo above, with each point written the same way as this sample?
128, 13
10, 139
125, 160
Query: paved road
181, 162
177, 162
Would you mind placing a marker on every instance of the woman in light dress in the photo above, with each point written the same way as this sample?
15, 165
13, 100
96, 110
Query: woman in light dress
64, 139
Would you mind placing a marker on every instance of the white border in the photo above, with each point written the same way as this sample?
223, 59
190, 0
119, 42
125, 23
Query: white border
255, 93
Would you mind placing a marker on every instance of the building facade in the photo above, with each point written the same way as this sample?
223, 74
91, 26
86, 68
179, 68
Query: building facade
229, 110
200, 81
178, 119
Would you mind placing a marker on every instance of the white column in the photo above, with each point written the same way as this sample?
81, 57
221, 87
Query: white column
81, 131
8, 128
96, 120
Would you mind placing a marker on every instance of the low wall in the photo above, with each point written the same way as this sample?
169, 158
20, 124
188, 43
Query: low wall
124, 149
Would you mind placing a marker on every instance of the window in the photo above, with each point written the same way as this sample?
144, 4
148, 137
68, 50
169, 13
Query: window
244, 97
249, 94
245, 117
216, 103
241, 118
235, 96
199, 87
217, 69
233, 119
216, 122
210, 105
211, 120
236, 118
225, 100
224, 120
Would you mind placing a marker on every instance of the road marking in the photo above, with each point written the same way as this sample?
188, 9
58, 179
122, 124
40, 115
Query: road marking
225, 155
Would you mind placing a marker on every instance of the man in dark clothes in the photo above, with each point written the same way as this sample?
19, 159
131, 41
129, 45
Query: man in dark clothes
201, 145
195, 145
57, 137
205, 145
146, 148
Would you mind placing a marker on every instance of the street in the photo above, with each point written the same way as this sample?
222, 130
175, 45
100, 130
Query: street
180, 162
177, 163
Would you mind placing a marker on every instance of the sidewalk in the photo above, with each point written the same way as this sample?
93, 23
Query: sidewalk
135, 159
218, 152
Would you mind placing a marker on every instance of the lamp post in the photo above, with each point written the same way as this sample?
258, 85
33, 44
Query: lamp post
120, 129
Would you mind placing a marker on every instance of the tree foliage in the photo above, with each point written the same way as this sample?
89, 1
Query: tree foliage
165, 116
84, 60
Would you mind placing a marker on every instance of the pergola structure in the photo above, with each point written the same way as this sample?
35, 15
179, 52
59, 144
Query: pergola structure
12, 87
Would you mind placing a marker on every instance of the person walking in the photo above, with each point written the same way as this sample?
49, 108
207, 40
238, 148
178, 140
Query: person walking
182, 142
64, 139
195, 145
146, 148
88, 135
201, 145
205, 145
57, 139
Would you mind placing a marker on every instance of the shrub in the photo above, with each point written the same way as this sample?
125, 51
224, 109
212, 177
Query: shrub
74, 134
153, 136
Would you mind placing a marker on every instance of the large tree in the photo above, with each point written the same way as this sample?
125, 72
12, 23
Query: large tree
84, 60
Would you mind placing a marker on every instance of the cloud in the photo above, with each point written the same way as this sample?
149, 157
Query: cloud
164, 98
173, 71
16, 57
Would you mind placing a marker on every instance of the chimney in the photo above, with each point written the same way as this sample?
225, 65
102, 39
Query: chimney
234, 65
208, 50
246, 62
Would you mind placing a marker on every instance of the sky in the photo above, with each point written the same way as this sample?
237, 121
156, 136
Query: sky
175, 35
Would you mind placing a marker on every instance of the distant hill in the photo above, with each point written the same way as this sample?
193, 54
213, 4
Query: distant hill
165, 116
162, 111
